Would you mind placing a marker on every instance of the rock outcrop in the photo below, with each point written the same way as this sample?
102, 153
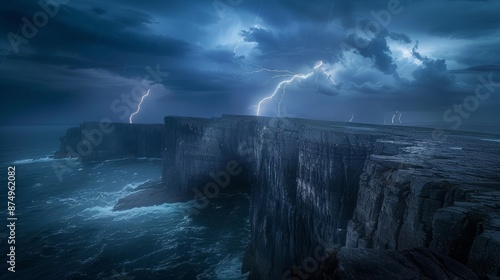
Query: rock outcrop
443, 195
318, 185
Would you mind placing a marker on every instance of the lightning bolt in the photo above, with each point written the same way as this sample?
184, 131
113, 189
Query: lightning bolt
242, 39
352, 118
238, 44
263, 69
397, 114
139, 106
282, 85
393, 117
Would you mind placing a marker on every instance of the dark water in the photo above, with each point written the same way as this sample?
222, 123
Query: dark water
66, 229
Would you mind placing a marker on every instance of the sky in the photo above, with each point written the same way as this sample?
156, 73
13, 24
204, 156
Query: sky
410, 62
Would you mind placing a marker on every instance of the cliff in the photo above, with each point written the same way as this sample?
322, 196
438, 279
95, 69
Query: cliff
100, 141
316, 186
321, 184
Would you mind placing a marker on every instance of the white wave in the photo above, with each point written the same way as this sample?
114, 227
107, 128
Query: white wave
72, 202
69, 199
230, 268
149, 159
132, 186
99, 212
102, 212
492, 140
131, 158
118, 159
33, 160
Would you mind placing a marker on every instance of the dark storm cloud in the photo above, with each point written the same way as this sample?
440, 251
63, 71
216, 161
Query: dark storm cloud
72, 29
92, 52
378, 50
374, 89
433, 72
222, 56
199, 82
312, 11
478, 69
321, 11
458, 19
400, 37
328, 89
305, 43
478, 51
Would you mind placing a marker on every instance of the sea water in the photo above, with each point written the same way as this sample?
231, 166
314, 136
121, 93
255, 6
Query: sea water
66, 229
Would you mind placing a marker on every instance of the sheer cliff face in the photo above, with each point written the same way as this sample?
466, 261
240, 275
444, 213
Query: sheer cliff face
307, 192
198, 151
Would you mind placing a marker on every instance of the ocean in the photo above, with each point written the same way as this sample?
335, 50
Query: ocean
67, 229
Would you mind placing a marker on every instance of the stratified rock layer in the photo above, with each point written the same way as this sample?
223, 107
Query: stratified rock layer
443, 195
